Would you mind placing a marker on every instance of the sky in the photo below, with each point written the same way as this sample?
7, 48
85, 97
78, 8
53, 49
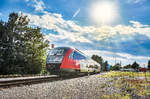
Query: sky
117, 30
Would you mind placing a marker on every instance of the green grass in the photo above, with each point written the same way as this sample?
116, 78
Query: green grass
129, 84
124, 74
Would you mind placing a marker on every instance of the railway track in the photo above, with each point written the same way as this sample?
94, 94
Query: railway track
8, 82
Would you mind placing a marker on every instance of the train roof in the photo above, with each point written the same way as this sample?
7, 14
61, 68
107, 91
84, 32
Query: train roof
67, 48
61, 48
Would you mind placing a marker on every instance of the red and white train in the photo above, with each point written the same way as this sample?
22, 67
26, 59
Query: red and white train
68, 61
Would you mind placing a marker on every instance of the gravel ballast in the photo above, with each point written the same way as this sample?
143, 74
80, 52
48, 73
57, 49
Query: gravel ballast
92, 87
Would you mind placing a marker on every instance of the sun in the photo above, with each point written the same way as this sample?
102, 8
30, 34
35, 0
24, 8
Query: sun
103, 12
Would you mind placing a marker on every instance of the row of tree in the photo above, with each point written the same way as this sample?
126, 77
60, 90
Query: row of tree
148, 65
135, 65
22, 48
117, 66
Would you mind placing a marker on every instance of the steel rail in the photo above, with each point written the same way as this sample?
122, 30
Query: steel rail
26, 80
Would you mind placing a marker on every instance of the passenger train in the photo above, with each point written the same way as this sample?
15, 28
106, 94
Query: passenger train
70, 61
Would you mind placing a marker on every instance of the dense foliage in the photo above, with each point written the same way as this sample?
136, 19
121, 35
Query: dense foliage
117, 66
135, 65
148, 64
128, 66
22, 48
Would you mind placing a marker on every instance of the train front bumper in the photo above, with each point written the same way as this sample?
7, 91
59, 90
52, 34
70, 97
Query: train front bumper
53, 68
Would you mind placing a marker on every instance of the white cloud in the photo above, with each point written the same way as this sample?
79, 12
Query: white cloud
76, 13
113, 57
137, 24
37, 4
67, 29
122, 30
74, 32
53, 37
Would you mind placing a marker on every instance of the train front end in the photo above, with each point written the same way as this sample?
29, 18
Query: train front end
54, 59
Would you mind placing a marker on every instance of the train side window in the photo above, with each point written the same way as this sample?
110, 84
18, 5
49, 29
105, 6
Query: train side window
82, 57
75, 56
71, 55
78, 56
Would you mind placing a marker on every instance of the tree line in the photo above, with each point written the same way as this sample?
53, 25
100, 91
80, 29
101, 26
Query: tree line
117, 66
22, 47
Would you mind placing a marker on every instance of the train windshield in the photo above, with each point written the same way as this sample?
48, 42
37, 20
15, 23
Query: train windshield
56, 55
56, 52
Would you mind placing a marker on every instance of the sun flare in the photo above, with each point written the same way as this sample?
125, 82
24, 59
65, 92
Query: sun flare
103, 12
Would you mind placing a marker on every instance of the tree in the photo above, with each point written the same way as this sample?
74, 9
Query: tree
98, 59
3, 40
116, 67
148, 64
22, 47
105, 65
7, 44
135, 65
128, 66
35, 50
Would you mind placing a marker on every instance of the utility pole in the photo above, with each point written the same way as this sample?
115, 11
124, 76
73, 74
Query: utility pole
120, 62
114, 60
145, 75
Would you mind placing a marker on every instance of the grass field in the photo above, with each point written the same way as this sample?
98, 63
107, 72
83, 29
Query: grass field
131, 85
126, 74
